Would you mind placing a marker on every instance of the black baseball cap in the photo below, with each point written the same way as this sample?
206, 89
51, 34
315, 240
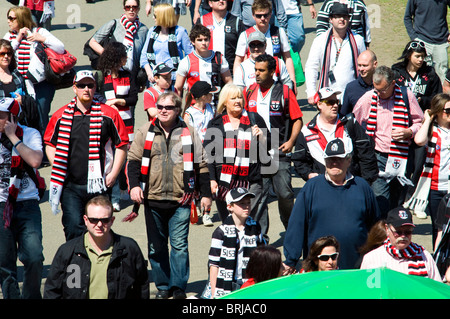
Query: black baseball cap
337, 148
200, 88
400, 216
236, 194
162, 68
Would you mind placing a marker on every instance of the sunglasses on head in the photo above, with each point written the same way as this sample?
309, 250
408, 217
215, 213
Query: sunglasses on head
83, 85
167, 107
416, 44
325, 257
259, 16
95, 221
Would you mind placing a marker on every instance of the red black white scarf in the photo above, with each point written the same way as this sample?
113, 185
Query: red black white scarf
419, 200
398, 151
119, 88
237, 152
130, 30
413, 253
96, 182
188, 161
17, 174
23, 54
326, 65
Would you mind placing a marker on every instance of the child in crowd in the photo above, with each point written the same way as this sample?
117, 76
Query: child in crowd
162, 74
198, 113
238, 236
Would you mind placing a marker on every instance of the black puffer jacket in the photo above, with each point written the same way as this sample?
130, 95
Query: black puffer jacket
127, 274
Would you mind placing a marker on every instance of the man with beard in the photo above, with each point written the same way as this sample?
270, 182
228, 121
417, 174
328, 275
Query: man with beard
398, 252
83, 164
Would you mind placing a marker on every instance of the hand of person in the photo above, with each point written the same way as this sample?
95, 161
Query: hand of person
313, 12
401, 134
214, 186
256, 131
196, 17
206, 203
311, 100
312, 175
112, 103
288, 270
18, 98
10, 127
148, 8
286, 147
137, 195
427, 116
36, 37
110, 180
188, 3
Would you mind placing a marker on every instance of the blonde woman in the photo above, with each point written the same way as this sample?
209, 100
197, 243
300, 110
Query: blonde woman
235, 166
166, 42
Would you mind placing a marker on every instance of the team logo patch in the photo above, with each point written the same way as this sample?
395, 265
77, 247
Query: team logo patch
227, 29
402, 214
275, 105
194, 74
396, 164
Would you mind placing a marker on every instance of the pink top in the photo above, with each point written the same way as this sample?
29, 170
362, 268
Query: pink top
384, 117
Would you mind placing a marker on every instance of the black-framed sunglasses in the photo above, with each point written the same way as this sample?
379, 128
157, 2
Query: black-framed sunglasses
12, 18
83, 85
3, 54
167, 107
416, 44
446, 111
95, 221
325, 257
265, 15
255, 44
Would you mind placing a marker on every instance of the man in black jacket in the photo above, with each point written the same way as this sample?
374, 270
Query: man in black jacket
100, 264
326, 126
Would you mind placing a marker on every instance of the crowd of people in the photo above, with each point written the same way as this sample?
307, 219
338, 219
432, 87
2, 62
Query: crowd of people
224, 126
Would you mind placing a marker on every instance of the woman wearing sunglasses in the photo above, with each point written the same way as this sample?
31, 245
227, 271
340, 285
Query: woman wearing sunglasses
433, 184
414, 72
24, 37
323, 255
128, 30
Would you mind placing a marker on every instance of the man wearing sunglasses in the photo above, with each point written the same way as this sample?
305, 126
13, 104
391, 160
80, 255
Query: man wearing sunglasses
79, 140
325, 126
398, 252
335, 203
99, 264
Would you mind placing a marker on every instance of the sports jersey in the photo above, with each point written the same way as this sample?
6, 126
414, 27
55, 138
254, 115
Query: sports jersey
276, 42
441, 163
245, 73
199, 119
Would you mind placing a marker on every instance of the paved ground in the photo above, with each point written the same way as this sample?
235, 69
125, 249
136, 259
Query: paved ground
90, 17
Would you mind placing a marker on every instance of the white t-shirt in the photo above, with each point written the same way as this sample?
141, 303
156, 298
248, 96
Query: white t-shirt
28, 190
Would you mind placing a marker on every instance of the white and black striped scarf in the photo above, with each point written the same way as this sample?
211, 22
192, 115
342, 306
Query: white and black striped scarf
95, 183
413, 253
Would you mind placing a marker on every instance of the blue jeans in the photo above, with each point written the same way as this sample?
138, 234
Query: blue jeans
73, 201
296, 31
22, 239
282, 186
164, 225
44, 97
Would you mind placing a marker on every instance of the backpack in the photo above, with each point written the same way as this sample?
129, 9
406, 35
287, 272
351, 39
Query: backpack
91, 54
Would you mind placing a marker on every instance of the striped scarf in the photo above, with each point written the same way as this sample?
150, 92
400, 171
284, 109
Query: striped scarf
419, 200
413, 253
17, 174
398, 151
130, 30
188, 161
326, 65
172, 46
95, 183
119, 88
23, 55
229, 249
236, 151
